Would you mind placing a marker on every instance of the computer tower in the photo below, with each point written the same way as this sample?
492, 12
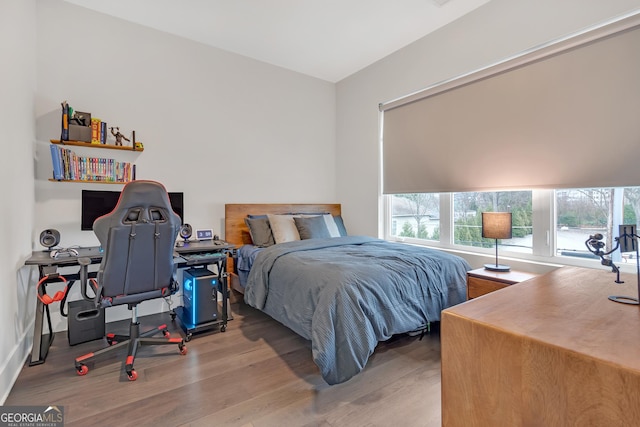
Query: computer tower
199, 296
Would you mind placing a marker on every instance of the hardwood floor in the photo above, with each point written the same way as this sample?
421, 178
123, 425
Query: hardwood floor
257, 373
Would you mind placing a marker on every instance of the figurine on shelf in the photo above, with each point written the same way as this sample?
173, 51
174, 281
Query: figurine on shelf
119, 136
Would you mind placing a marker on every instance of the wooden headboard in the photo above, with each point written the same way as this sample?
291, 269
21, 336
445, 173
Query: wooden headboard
236, 231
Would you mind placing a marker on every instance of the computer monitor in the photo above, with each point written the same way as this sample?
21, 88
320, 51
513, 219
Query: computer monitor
96, 203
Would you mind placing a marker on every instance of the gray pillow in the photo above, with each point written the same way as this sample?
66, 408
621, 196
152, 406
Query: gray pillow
340, 224
313, 227
260, 231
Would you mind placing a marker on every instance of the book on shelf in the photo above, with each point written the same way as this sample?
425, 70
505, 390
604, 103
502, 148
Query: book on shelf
56, 162
95, 130
103, 132
64, 135
65, 163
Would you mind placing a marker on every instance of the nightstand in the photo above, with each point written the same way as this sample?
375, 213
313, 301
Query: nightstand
481, 281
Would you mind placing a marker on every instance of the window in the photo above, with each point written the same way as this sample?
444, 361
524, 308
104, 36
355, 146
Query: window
467, 218
547, 225
587, 211
416, 215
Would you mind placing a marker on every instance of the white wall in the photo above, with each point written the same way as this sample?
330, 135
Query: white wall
220, 127
18, 86
494, 31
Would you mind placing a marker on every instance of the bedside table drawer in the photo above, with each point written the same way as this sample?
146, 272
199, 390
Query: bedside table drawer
477, 287
481, 281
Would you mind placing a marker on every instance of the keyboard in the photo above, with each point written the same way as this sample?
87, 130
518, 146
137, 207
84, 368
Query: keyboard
203, 257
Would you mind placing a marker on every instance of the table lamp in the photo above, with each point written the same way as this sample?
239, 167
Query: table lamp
496, 225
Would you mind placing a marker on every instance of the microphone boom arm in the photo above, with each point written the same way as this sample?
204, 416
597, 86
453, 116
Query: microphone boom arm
595, 245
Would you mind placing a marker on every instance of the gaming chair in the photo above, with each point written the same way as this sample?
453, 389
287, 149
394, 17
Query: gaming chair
138, 239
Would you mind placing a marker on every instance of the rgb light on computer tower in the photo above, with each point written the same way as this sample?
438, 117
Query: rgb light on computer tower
199, 295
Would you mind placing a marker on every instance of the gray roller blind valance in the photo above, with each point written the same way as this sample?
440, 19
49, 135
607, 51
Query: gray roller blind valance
566, 115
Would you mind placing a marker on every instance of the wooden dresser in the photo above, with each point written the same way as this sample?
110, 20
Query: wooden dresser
552, 351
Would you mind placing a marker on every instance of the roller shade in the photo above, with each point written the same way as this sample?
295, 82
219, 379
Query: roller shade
565, 115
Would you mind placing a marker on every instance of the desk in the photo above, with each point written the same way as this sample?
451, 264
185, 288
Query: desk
49, 266
551, 351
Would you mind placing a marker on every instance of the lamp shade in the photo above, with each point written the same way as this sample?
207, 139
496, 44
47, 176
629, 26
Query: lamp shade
496, 225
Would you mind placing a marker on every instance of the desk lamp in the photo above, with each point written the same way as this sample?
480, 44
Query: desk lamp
496, 225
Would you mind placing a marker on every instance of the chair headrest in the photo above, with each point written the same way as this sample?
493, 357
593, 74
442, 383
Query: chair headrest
140, 201
142, 194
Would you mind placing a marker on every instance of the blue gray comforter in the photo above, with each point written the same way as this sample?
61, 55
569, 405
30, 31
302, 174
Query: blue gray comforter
346, 294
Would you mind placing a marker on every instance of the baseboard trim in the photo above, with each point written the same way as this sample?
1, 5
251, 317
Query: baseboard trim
14, 364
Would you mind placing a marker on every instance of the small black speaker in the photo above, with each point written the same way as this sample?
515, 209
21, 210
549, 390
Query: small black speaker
186, 231
49, 238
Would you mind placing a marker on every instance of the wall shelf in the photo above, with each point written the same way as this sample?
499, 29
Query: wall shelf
90, 145
86, 181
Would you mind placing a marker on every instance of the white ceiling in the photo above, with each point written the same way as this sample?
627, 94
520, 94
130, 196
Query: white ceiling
327, 39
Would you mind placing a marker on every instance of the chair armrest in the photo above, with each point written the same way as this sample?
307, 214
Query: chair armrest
84, 279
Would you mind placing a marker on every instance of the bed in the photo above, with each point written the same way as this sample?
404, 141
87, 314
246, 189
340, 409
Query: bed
343, 293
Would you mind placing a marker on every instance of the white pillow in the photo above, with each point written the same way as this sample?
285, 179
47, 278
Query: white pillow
283, 228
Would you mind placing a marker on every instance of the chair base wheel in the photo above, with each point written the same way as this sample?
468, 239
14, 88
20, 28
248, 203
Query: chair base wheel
82, 370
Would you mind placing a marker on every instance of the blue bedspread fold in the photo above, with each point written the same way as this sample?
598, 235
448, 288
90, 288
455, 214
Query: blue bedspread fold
346, 294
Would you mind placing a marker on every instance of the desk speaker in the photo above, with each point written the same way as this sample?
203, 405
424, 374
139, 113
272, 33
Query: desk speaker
49, 238
186, 231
